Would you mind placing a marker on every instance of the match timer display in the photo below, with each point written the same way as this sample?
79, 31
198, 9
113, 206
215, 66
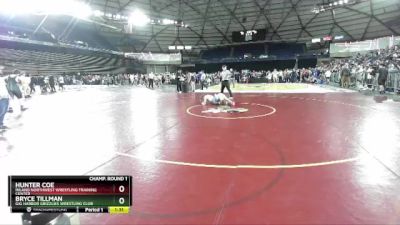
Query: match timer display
62, 194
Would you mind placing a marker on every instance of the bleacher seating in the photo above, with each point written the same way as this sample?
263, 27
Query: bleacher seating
41, 62
53, 30
255, 50
216, 53
285, 50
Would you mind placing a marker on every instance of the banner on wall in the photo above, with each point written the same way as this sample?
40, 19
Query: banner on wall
156, 58
350, 48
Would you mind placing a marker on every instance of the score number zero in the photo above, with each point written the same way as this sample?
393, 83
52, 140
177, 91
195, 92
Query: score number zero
121, 200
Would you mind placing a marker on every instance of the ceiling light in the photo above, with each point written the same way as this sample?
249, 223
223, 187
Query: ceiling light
316, 40
339, 37
167, 21
138, 18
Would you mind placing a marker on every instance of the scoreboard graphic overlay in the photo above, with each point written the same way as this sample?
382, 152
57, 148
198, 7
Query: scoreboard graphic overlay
70, 194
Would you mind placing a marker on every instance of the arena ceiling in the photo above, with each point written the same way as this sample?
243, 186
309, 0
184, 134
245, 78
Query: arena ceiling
211, 22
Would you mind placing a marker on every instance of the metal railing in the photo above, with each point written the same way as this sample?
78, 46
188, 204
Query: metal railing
360, 81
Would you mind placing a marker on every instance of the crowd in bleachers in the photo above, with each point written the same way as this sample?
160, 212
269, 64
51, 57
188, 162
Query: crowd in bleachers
373, 70
359, 71
120, 79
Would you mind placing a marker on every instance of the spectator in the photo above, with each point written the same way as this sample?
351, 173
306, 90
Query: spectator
24, 82
232, 78
203, 81
382, 77
52, 84
328, 75
193, 82
14, 90
345, 76
237, 77
61, 83
275, 76
151, 80
32, 84
179, 80
369, 76
4, 100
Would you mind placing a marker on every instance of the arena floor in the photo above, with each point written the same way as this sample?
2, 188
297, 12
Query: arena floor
297, 158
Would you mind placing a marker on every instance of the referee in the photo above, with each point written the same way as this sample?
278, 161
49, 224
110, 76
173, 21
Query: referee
225, 77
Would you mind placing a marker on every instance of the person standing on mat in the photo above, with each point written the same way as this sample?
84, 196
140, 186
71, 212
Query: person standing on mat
225, 77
